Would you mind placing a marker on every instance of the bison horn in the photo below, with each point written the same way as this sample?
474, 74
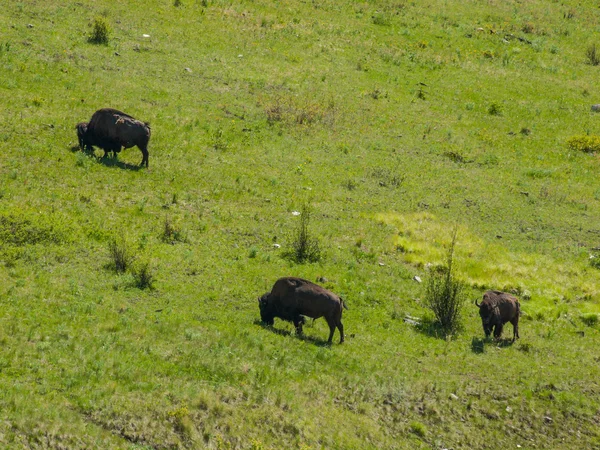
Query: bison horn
477, 304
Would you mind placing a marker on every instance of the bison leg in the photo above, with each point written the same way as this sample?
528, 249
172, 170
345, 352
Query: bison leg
341, 328
144, 157
332, 324
298, 321
515, 324
498, 330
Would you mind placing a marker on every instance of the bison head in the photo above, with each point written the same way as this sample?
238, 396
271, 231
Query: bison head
267, 313
490, 316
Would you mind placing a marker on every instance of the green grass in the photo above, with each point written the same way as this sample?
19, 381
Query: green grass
396, 122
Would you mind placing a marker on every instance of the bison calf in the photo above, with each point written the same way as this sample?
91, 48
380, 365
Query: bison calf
496, 309
291, 298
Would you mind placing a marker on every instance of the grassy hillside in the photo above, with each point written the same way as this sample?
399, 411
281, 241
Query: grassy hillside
397, 122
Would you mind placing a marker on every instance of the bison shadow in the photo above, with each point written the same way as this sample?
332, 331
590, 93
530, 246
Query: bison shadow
478, 343
114, 162
430, 327
107, 161
303, 337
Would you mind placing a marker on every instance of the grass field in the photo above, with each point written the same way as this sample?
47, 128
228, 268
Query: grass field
396, 122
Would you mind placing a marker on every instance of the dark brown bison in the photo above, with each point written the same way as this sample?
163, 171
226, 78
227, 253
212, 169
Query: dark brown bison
292, 298
496, 309
110, 129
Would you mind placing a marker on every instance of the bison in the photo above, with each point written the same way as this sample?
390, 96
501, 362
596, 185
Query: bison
496, 309
110, 129
292, 298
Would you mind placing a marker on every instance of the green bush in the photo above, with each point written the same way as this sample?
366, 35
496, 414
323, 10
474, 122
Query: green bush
584, 143
143, 276
120, 256
305, 247
100, 31
444, 295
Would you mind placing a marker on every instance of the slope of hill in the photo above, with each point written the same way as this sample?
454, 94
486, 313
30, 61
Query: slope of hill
396, 122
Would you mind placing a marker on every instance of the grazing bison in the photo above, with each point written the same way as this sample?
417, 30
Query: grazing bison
496, 309
111, 129
291, 298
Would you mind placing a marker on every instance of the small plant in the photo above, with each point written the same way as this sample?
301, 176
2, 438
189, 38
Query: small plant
592, 55
143, 276
120, 256
381, 19
100, 31
590, 319
527, 28
350, 184
525, 131
172, 233
595, 261
495, 109
305, 247
177, 3
444, 294
388, 177
584, 143
455, 157
418, 428
219, 141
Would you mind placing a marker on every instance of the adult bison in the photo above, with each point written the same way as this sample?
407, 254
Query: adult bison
111, 129
496, 309
292, 298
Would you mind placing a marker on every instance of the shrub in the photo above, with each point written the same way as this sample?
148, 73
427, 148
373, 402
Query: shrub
305, 247
584, 143
143, 276
120, 256
444, 294
495, 109
592, 55
100, 31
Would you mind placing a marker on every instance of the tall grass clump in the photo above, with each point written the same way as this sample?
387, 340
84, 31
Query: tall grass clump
120, 256
592, 55
444, 294
143, 276
304, 247
584, 143
172, 233
100, 31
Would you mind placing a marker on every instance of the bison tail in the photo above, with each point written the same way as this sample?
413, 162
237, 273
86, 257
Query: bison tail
343, 303
518, 309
